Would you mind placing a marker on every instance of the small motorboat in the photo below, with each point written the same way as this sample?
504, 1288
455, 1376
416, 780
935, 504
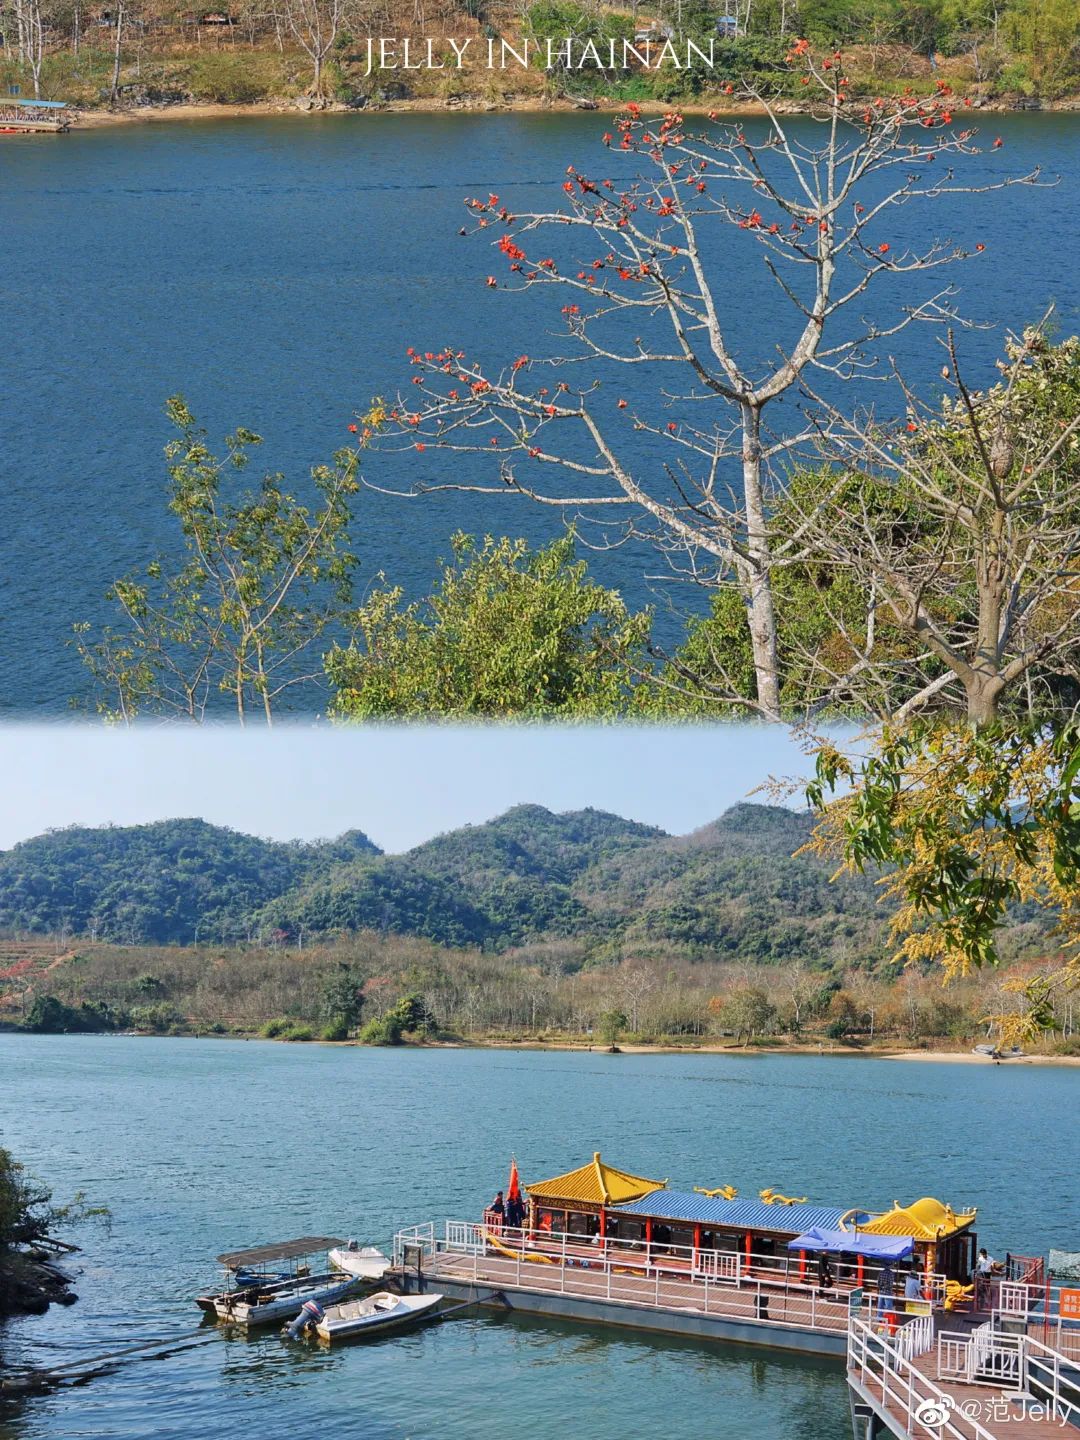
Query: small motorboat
288, 1272
265, 1306
366, 1262
374, 1314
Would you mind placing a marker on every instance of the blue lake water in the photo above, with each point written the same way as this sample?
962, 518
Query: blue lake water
202, 1146
274, 271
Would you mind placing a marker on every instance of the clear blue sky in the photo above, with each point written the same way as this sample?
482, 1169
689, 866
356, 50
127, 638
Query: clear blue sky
399, 785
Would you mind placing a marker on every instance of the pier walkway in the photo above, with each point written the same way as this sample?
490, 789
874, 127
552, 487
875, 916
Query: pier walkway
983, 1384
727, 1297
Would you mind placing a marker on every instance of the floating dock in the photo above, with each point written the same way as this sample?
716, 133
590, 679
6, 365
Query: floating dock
618, 1290
930, 1350
18, 116
1013, 1375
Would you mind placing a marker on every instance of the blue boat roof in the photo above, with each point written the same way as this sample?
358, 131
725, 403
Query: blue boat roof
42, 104
733, 1214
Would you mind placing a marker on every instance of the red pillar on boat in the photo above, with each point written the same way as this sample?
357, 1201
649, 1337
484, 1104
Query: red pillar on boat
697, 1248
802, 1266
648, 1238
749, 1248
860, 1265
603, 1228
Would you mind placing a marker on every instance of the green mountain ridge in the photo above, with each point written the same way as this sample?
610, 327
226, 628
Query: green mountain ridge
597, 887
168, 882
733, 890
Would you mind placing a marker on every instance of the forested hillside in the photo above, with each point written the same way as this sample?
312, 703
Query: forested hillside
599, 887
165, 883
517, 877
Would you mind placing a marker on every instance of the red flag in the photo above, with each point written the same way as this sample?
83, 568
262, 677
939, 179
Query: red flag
513, 1189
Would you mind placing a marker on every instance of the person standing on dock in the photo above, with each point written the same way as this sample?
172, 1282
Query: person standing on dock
824, 1275
985, 1265
515, 1205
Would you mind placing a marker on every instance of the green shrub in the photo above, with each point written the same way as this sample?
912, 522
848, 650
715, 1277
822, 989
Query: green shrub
274, 1029
299, 1032
50, 1016
1068, 1046
335, 1030
25, 1213
386, 1031
160, 1019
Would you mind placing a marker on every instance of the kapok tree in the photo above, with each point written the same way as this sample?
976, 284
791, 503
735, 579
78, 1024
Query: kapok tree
691, 468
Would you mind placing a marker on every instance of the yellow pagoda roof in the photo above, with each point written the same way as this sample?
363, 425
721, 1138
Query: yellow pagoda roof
596, 1184
925, 1219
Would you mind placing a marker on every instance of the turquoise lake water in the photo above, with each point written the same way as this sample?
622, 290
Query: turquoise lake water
274, 271
201, 1146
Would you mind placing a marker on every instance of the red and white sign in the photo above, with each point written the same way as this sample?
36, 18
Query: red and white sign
1069, 1303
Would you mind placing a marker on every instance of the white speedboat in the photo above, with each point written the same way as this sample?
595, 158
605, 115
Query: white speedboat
366, 1262
374, 1314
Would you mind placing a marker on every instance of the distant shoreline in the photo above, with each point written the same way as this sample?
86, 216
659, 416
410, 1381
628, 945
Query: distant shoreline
581, 1047
212, 110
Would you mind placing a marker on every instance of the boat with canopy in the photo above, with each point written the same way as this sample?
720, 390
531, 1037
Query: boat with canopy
269, 1283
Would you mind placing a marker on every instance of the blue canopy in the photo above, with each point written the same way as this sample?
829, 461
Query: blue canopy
848, 1242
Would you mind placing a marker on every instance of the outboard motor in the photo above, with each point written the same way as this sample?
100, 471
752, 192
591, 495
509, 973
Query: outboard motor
310, 1315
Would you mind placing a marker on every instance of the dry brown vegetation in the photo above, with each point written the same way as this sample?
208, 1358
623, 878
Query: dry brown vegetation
535, 993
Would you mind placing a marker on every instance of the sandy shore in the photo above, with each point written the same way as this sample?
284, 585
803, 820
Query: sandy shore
836, 1052
954, 1057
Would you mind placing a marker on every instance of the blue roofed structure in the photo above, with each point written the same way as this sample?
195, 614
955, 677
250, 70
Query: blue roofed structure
692, 1208
845, 1242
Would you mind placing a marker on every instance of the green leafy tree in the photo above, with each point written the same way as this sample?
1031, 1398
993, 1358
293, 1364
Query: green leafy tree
508, 632
413, 1015
49, 1016
611, 1024
384, 1031
748, 1011
968, 822
25, 1212
265, 579
342, 1001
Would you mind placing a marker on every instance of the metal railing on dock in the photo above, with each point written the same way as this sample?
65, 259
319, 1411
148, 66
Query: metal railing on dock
884, 1372
766, 1288
962, 1385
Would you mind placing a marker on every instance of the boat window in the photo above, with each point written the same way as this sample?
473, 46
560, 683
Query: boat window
579, 1224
